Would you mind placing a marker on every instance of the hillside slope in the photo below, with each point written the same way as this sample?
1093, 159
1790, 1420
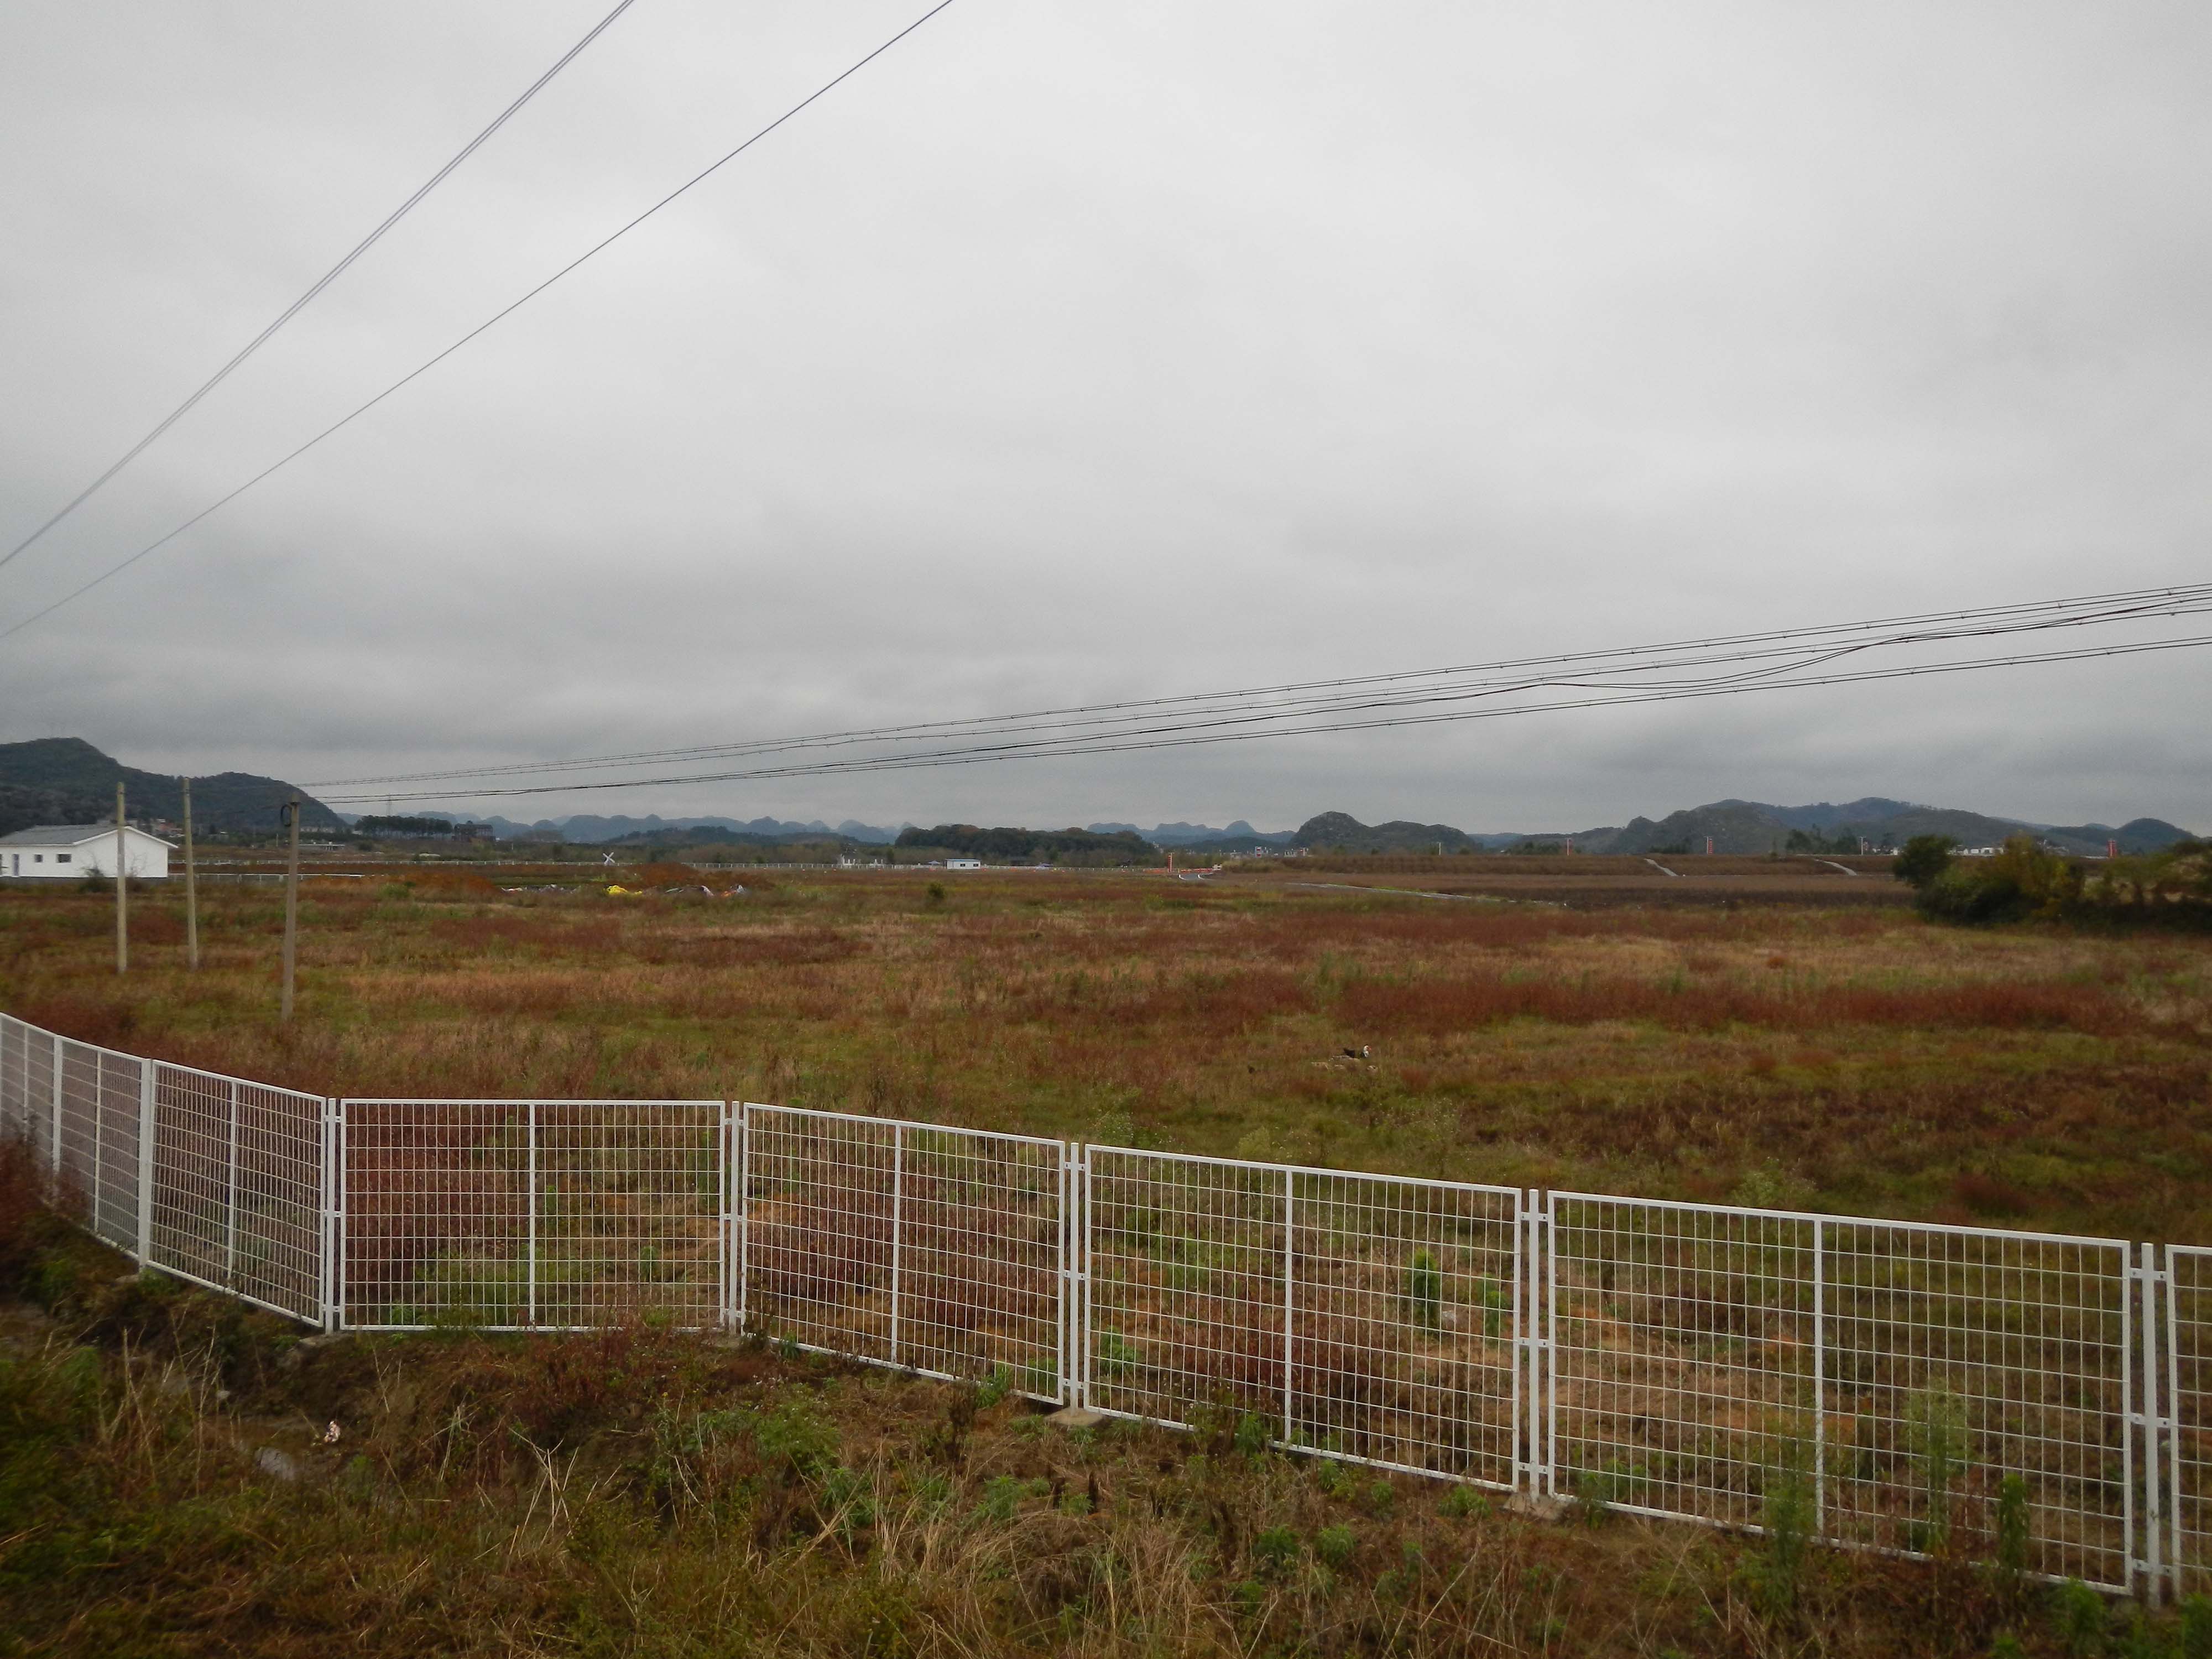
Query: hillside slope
67, 780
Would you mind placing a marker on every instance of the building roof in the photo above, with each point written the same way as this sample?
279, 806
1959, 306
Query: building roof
67, 834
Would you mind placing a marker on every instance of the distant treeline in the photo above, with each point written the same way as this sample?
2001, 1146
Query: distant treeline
384, 824
2172, 887
1033, 846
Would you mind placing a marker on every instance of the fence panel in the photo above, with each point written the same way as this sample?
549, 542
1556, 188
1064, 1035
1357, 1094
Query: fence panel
513, 1215
237, 1194
37, 1050
933, 1248
2189, 1404
1373, 1318
26, 1088
15, 1081
1882, 1377
1959, 1356
630, 1212
97, 1164
1681, 1357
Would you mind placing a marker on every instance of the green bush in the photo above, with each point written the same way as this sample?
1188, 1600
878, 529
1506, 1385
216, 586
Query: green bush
2021, 879
1922, 858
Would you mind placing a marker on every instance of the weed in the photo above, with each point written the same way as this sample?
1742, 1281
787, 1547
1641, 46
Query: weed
2195, 1633
1425, 1292
1937, 1427
2080, 1618
1463, 1503
1276, 1548
2013, 1519
1788, 1521
1334, 1546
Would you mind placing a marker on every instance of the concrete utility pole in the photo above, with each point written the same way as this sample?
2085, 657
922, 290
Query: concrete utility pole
291, 906
122, 892
191, 892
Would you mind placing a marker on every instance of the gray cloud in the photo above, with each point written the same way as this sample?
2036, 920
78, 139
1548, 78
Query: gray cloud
1073, 352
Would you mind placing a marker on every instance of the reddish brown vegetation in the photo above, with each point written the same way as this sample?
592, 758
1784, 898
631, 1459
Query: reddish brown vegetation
1459, 1003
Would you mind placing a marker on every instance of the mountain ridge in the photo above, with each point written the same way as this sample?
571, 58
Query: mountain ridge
56, 781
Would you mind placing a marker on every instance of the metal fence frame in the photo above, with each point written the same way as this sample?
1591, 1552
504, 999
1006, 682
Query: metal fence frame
1405, 1332
1650, 1355
1725, 1358
954, 1243
2187, 1420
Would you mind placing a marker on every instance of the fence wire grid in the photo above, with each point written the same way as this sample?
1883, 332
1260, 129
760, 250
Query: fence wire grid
1884, 1379
1373, 1318
1879, 1384
935, 1249
2189, 1404
522, 1215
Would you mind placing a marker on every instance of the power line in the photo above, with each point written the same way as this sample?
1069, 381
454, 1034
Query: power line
489, 323
1772, 653
1380, 712
323, 282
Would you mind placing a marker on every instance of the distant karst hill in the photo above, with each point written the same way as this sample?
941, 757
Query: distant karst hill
67, 780
1746, 826
1334, 832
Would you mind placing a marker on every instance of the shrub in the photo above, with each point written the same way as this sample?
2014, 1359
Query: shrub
2021, 879
1424, 1290
1923, 859
1276, 1548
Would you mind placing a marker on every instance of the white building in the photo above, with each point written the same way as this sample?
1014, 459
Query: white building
963, 864
72, 852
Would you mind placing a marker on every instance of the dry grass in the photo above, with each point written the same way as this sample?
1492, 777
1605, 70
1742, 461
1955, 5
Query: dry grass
1852, 1058
640, 1492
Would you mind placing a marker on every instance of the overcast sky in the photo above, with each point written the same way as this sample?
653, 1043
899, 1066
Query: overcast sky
1082, 352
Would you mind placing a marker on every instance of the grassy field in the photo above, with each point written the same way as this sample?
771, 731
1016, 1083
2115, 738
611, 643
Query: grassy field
1828, 1051
181, 1476
1773, 1034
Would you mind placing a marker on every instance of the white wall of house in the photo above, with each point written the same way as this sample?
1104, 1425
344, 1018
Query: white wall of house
147, 858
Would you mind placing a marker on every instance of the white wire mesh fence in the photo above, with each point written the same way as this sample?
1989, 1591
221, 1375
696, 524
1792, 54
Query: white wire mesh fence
2188, 1405
236, 1199
519, 1214
1878, 1384
935, 1249
1368, 1317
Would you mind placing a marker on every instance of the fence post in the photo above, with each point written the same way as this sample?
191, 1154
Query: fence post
2154, 1552
1290, 1291
147, 1070
1819, 1379
1548, 1345
2169, 1277
334, 1239
898, 1185
530, 1246
1079, 1315
743, 1175
1066, 1281
54, 1168
724, 1222
99, 1134
230, 1202
1533, 1341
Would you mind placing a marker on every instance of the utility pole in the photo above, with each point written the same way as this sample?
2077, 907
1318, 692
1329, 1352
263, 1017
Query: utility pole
191, 892
291, 906
122, 892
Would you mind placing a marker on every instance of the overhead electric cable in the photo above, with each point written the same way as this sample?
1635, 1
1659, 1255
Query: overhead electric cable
492, 321
1772, 653
323, 282
1222, 720
974, 757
